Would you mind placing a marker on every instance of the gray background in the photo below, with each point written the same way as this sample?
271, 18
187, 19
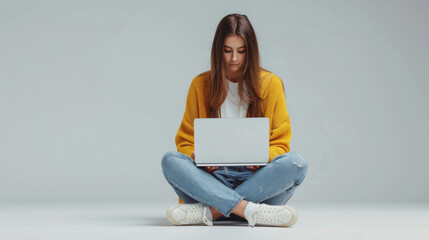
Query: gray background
92, 94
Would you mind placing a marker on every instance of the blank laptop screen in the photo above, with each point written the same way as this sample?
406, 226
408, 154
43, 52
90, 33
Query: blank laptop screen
231, 141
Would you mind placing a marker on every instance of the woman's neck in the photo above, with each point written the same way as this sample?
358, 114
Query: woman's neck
233, 77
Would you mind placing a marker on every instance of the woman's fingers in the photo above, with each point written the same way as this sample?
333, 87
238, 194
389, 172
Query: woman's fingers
253, 168
211, 169
214, 168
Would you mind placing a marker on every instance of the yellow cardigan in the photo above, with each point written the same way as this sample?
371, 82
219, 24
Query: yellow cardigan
273, 106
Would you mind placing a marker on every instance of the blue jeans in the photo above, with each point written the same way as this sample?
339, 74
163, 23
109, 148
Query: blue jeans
223, 189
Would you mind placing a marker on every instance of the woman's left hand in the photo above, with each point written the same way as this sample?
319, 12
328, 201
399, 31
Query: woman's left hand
253, 168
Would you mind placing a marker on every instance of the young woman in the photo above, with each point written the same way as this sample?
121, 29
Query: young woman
235, 87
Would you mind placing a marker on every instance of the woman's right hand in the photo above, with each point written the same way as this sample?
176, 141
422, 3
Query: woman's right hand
210, 169
207, 169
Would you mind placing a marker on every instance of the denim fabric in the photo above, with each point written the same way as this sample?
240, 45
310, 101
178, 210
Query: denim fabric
224, 188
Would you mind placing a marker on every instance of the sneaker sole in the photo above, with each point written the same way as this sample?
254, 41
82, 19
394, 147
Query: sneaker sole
288, 224
170, 216
294, 217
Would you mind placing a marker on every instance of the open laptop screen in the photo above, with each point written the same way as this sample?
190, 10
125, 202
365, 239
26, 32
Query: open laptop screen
231, 141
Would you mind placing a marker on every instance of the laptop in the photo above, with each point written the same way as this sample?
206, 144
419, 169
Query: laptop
231, 141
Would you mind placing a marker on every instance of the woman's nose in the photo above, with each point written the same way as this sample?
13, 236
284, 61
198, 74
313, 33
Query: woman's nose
234, 57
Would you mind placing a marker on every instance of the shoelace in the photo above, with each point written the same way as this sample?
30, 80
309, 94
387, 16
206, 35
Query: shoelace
263, 215
193, 215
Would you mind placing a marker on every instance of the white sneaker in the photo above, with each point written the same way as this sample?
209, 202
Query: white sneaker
269, 215
185, 214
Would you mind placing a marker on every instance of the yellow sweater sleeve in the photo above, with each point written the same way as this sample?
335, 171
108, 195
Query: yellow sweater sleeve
185, 135
280, 127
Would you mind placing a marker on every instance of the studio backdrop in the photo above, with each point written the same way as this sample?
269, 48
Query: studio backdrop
92, 94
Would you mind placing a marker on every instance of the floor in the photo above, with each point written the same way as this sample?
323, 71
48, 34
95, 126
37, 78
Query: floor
147, 221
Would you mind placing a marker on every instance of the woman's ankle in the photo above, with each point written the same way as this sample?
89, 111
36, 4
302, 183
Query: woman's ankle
215, 213
239, 209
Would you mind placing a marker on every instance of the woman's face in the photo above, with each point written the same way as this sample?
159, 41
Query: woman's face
234, 54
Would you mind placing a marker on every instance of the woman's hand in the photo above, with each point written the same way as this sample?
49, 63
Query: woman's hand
207, 169
253, 168
210, 169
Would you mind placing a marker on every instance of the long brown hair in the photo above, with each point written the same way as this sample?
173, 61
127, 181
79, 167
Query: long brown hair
235, 24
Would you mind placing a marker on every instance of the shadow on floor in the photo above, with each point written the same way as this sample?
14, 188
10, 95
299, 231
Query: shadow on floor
153, 221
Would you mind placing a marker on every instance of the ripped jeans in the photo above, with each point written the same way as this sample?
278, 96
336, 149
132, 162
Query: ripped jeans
224, 188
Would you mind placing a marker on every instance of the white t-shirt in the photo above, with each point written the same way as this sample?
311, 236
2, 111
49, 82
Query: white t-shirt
232, 107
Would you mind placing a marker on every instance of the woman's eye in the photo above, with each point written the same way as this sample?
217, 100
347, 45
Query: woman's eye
228, 51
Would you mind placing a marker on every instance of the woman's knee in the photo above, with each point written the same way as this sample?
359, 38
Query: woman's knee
173, 160
298, 160
294, 159
169, 160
